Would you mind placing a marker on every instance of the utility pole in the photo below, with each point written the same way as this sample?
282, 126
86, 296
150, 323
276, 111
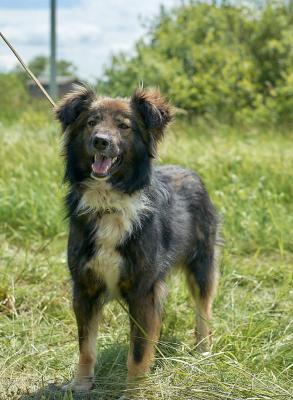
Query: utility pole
53, 83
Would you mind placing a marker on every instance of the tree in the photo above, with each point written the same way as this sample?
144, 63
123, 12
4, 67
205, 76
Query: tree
221, 59
39, 65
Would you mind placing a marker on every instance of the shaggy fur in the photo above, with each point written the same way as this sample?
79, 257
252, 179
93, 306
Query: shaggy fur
131, 222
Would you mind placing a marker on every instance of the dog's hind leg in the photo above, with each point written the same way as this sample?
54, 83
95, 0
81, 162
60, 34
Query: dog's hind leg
202, 278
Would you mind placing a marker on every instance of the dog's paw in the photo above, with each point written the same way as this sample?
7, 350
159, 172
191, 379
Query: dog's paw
79, 385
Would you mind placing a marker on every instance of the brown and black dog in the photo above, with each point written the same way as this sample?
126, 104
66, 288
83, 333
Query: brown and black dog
131, 222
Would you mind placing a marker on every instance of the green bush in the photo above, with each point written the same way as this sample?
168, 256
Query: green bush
230, 62
13, 96
17, 106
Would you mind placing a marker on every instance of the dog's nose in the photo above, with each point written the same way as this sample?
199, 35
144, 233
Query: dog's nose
101, 142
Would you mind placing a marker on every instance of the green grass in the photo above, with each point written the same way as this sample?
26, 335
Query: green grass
249, 175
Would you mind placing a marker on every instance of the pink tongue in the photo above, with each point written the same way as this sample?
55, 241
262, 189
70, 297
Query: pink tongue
101, 165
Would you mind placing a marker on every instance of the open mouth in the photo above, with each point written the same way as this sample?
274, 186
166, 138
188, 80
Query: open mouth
103, 166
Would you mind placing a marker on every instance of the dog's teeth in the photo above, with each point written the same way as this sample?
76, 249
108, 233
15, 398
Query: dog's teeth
114, 159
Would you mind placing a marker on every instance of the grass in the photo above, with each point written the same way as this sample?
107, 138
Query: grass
249, 175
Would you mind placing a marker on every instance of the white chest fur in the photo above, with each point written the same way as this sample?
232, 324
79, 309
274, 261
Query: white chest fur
122, 214
108, 263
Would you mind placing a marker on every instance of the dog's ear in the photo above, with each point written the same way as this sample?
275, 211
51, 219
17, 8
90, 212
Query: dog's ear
72, 104
155, 112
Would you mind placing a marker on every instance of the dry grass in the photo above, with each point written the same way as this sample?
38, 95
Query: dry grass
249, 177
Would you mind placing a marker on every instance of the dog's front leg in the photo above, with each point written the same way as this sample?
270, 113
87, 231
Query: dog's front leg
87, 310
145, 324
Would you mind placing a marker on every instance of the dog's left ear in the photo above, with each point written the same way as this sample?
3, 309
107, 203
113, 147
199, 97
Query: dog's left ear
153, 110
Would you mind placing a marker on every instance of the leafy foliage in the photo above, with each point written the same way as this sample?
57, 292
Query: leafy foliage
232, 62
39, 65
13, 96
15, 102
16, 105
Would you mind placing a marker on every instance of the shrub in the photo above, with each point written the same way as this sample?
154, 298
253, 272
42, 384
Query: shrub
231, 62
17, 105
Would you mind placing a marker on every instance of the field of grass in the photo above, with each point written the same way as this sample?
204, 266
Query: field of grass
249, 175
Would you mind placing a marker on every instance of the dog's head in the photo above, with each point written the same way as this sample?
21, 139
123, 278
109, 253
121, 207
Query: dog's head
112, 139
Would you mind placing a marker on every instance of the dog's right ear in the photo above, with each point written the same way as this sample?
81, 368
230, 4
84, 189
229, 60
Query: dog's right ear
72, 104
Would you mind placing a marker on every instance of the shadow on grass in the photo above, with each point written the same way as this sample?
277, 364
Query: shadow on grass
110, 378
110, 374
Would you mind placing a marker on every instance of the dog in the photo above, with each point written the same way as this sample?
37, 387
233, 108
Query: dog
131, 222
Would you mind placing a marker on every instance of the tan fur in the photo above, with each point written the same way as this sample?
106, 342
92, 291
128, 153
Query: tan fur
203, 332
87, 357
136, 370
150, 316
111, 105
203, 313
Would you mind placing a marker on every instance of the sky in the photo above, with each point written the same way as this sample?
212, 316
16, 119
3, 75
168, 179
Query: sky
88, 31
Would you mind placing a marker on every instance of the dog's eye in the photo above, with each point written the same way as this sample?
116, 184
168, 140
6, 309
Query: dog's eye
91, 123
123, 126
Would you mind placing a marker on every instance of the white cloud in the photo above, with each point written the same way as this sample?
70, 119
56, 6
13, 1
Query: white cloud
87, 33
